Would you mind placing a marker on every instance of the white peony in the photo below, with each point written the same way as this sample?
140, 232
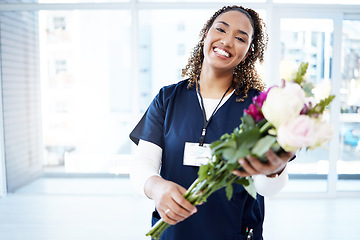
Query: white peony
283, 104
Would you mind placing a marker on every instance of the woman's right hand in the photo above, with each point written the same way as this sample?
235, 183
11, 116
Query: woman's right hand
169, 199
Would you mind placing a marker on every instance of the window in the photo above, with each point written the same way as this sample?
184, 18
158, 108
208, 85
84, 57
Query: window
166, 38
103, 61
348, 165
59, 23
86, 69
308, 40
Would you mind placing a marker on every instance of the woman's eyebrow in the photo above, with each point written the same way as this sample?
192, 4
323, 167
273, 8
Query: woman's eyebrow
240, 31
225, 23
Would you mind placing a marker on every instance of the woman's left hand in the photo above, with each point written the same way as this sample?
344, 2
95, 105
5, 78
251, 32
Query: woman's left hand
253, 166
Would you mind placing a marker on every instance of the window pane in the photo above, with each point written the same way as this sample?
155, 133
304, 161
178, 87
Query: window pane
166, 38
86, 82
308, 40
349, 164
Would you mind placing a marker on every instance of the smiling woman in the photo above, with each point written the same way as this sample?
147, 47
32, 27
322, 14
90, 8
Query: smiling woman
174, 134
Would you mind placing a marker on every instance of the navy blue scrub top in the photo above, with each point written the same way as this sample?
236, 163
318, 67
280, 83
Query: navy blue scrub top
175, 117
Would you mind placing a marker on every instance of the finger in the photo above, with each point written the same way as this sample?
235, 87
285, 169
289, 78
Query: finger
258, 166
164, 209
175, 216
165, 215
278, 162
273, 158
247, 167
185, 204
240, 173
181, 208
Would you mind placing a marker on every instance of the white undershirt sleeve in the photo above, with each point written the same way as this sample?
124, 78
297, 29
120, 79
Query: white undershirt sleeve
146, 163
267, 186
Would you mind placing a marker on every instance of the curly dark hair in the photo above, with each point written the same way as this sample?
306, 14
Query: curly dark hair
245, 75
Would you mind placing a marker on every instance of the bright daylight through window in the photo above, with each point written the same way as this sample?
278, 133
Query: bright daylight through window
93, 93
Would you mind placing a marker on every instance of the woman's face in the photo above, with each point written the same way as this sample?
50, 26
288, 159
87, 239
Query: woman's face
228, 40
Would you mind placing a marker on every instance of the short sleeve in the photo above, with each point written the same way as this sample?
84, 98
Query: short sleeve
150, 127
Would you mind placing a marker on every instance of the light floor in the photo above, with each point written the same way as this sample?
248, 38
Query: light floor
108, 209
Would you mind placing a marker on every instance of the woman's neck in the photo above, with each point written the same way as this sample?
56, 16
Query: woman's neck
214, 86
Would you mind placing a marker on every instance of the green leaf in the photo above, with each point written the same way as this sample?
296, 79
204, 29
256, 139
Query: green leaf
225, 144
229, 191
251, 188
263, 145
242, 181
215, 143
299, 77
247, 121
240, 153
248, 138
231, 166
229, 153
211, 171
203, 172
320, 107
225, 136
236, 130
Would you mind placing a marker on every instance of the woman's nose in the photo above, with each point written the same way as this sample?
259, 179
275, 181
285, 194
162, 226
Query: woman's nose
227, 41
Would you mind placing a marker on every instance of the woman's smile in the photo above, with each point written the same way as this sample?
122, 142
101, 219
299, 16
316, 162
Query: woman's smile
221, 52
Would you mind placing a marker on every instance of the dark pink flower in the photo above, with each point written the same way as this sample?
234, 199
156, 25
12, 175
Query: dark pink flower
254, 109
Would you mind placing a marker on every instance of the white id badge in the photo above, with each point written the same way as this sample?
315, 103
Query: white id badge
195, 155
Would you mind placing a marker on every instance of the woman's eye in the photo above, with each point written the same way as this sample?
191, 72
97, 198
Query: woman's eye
240, 39
220, 29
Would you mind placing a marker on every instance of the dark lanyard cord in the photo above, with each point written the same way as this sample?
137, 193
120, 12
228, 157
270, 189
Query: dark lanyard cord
206, 122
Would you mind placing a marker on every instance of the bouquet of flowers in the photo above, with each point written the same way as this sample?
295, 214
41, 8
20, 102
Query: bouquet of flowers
284, 118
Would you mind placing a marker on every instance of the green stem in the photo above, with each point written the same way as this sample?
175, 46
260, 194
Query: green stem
191, 188
265, 127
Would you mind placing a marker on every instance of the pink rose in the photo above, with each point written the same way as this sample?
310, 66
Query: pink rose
297, 133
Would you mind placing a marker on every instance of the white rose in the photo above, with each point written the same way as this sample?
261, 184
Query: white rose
323, 133
295, 89
283, 104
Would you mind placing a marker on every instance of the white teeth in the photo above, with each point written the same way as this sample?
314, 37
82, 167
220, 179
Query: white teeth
221, 52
